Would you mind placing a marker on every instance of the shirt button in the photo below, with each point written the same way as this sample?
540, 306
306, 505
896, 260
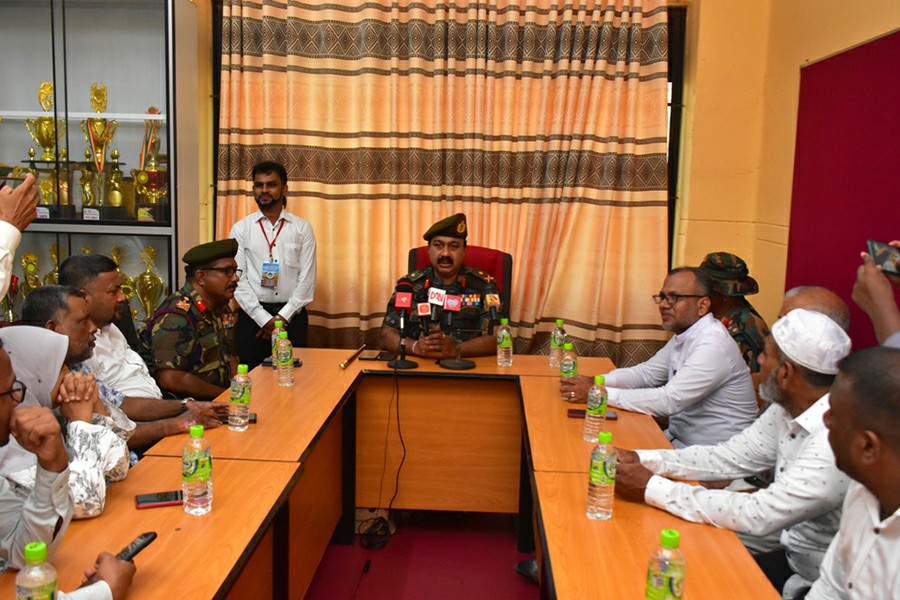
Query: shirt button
877, 531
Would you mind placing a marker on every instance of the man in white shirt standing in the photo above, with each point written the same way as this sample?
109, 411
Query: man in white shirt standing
863, 561
698, 379
277, 253
804, 501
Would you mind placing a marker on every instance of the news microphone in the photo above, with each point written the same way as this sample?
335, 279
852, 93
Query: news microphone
452, 305
436, 297
403, 300
492, 303
423, 310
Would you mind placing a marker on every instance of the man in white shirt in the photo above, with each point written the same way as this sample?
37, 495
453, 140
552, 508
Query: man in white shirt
863, 560
804, 500
698, 379
17, 211
277, 253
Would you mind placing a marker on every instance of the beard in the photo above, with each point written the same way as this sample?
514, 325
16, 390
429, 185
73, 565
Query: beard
770, 392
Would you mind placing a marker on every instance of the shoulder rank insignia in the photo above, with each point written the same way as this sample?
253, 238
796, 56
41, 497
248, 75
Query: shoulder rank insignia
201, 305
183, 304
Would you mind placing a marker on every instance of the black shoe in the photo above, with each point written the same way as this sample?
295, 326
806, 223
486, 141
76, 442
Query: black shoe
528, 569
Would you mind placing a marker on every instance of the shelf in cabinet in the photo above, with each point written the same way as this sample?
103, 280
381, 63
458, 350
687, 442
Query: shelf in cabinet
95, 227
127, 117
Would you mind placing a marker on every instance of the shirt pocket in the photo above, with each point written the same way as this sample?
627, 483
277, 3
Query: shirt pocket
292, 254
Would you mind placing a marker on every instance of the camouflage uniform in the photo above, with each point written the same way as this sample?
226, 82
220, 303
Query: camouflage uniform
470, 285
749, 330
188, 336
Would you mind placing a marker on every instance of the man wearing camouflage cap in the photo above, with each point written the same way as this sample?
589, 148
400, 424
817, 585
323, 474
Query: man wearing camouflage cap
731, 282
191, 347
446, 251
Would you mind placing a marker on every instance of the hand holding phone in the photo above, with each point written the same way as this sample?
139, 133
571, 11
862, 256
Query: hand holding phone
886, 256
139, 543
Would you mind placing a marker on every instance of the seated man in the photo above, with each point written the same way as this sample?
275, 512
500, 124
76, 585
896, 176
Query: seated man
863, 560
804, 500
698, 378
872, 292
63, 309
819, 299
731, 284
191, 348
447, 252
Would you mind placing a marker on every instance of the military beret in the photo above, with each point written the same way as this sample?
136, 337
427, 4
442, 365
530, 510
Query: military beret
453, 226
729, 274
207, 253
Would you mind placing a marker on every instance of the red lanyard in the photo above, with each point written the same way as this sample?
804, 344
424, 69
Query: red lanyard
272, 243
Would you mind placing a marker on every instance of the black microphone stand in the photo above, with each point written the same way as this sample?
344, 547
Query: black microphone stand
456, 364
400, 362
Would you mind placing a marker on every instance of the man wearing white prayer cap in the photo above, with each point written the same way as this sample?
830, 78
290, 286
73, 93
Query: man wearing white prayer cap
804, 501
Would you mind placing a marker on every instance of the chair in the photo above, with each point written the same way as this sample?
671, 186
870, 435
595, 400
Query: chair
497, 263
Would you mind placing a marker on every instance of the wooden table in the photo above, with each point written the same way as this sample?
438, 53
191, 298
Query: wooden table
230, 549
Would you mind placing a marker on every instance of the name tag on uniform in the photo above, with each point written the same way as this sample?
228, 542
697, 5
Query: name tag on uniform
269, 274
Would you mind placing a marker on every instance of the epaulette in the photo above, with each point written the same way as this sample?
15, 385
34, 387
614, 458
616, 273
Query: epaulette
183, 303
415, 275
482, 275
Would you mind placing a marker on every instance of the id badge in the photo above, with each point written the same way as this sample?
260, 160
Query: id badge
269, 274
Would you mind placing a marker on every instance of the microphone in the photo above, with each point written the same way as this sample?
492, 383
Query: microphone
492, 303
403, 300
436, 297
452, 305
423, 309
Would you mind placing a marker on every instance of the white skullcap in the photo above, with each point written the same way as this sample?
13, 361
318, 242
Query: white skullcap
812, 340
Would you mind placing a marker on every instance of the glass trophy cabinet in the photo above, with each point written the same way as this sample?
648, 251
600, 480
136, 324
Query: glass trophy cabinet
88, 106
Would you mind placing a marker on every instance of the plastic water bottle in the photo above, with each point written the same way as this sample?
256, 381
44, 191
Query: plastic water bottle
284, 359
239, 408
602, 478
279, 327
568, 366
37, 579
595, 415
196, 474
557, 339
504, 344
665, 575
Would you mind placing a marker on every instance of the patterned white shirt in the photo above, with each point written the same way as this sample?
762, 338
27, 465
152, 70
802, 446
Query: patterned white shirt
804, 501
863, 561
699, 379
121, 367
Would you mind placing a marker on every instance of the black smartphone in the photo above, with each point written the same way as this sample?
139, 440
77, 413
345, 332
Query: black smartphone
139, 543
251, 418
376, 355
158, 499
886, 256
578, 413
267, 362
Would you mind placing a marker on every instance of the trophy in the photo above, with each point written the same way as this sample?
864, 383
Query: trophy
98, 131
88, 194
9, 301
30, 269
150, 182
52, 278
46, 131
117, 254
148, 285
113, 193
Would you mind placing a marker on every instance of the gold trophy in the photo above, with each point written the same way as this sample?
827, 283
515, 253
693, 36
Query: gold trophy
52, 278
114, 183
117, 254
98, 131
30, 269
148, 285
88, 194
46, 131
150, 182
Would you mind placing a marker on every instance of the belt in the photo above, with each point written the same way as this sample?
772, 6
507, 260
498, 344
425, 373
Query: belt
270, 305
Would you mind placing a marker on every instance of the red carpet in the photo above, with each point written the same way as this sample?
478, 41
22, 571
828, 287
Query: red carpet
432, 556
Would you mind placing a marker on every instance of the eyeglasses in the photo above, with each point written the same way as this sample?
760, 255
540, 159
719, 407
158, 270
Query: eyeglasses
673, 299
17, 392
227, 271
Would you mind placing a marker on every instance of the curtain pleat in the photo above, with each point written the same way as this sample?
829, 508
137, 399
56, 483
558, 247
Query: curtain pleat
544, 122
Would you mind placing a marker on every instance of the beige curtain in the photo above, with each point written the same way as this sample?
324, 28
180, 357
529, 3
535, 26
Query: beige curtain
543, 121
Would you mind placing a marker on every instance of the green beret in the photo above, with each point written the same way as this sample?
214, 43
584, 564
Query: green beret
453, 226
729, 274
211, 251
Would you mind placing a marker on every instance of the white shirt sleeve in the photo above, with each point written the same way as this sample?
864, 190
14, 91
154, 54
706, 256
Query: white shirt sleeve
244, 294
96, 591
305, 288
43, 516
10, 237
831, 571
95, 455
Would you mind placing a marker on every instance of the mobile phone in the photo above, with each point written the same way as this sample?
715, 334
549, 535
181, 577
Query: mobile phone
578, 413
172, 498
139, 543
886, 256
376, 355
251, 418
267, 362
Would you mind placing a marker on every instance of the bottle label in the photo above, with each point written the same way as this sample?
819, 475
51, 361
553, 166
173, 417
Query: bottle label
44, 592
596, 404
603, 469
664, 586
240, 392
284, 355
568, 366
196, 470
504, 339
557, 339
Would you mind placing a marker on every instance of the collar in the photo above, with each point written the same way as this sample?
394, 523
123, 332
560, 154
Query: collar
701, 324
811, 419
258, 215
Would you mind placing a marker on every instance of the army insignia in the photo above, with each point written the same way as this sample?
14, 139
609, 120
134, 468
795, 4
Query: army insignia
488, 278
461, 227
183, 304
471, 300
201, 305
229, 319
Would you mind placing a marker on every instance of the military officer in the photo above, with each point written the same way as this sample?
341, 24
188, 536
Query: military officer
731, 282
446, 251
191, 347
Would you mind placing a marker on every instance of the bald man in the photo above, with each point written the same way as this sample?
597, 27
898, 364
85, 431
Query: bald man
819, 299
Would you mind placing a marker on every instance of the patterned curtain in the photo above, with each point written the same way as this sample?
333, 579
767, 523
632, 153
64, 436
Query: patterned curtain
543, 121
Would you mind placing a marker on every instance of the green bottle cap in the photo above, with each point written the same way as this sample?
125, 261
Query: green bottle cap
283, 335
669, 538
599, 379
605, 437
278, 323
35, 552
196, 431
504, 321
568, 346
559, 322
242, 369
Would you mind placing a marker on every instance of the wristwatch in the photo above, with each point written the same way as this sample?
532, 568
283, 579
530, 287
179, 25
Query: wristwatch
184, 403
